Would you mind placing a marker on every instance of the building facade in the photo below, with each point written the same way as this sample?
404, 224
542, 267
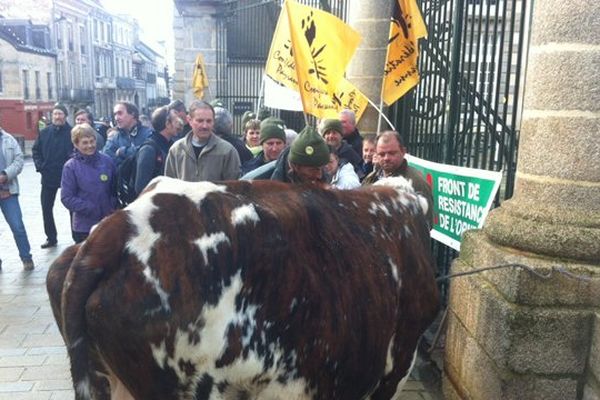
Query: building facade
94, 53
105, 85
123, 41
71, 39
27, 76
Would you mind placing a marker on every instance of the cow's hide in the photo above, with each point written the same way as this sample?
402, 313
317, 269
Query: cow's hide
248, 290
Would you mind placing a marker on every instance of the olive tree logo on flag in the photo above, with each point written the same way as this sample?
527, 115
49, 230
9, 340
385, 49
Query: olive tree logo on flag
402, 21
400, 71
322, 46
310, 32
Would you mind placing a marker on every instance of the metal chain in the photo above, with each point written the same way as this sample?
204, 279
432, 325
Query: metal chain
555, 268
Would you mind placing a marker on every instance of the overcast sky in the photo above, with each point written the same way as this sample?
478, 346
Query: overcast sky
155, 18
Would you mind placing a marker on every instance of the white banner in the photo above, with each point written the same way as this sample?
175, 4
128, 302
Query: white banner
281, 97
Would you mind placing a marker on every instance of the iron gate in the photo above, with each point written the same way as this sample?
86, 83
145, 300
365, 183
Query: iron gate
466, 110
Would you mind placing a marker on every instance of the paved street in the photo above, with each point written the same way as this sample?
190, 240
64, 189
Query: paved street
33, 361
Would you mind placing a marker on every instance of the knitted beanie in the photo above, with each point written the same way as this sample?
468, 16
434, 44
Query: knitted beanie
271, 131
272, 120
248, 115
331, 125
217, 103
263, 113
60, 107
309, 149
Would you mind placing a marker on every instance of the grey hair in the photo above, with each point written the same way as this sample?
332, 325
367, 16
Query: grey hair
350, 114
223, 121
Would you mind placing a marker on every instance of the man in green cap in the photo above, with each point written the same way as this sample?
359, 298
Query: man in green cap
304, 160
272, 140
332, 132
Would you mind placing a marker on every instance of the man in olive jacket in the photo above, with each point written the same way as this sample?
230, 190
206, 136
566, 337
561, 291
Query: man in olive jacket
50, 152
201, 155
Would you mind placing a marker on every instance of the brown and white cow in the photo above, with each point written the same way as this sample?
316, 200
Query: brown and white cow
248, 290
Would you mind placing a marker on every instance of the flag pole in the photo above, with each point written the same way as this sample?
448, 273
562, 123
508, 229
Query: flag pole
305, 118
381, 114
260, 95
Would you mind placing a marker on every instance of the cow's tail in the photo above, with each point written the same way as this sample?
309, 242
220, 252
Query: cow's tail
99, 256
55, 280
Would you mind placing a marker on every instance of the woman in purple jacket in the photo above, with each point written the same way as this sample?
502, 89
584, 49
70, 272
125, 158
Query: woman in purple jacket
87, 183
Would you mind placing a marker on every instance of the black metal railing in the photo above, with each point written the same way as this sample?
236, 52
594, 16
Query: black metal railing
466, 109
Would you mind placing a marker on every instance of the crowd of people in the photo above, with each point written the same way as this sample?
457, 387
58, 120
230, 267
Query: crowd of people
90, 162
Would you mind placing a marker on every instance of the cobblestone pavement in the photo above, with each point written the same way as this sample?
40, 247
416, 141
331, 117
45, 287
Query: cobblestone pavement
33, 360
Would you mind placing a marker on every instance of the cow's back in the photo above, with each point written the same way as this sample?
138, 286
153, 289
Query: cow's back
255, 289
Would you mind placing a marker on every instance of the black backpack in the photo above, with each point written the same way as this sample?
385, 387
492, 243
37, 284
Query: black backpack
126, 173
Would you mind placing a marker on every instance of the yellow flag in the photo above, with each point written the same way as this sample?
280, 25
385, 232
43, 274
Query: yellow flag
199, 79
401, 73
281, 66
322, 46
346, 96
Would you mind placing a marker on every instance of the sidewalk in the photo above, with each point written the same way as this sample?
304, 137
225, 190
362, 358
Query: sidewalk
33, 360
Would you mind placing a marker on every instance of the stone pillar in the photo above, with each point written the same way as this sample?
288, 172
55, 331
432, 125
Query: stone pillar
372, 20
511, 334
195, 27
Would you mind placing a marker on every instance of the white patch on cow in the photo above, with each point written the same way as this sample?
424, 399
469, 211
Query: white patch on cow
211, 242
159, 353
293, 304
403, 381
216, 319
374, 207
403, 186
389, 359
242, 373
162, 294
394, 271
142, 242
195, 191
245, 213
399, 183
83, 388
140, 212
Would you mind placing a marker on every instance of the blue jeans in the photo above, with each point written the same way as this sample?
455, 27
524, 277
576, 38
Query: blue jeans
12, 213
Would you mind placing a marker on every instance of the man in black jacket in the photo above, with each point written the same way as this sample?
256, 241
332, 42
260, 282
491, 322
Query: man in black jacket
50, 152
224, 130
151, 158
350, 131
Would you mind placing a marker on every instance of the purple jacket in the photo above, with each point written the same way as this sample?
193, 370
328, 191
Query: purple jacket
87, 189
